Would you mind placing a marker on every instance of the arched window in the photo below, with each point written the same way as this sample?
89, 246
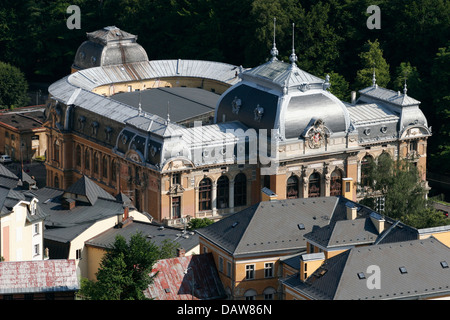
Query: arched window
204, 194
240, 190
95, 162
223, 192
336, 183
56, 150
78, 156
87, 159
366, 169
292, 187
105, 167
269, 293
114, 168
56, 184
250, 294
314, 185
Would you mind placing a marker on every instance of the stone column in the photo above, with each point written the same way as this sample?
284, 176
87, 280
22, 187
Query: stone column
231, 196
214, 198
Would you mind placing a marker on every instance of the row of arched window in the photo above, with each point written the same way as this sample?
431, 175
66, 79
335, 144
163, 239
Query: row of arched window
314, 185
97, 157
205, 196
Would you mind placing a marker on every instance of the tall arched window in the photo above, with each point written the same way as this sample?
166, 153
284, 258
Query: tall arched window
223, 192
78, 156
240, 190
56, 150
336, 183
95, 162
87, 159
314, 185
114, 169
56, 184
204, 194
367, 164
105, 167
292, 187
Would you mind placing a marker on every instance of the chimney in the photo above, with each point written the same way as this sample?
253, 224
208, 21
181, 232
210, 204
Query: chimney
351, 210
126, 211
378, 221
68, 203
353, 95
181, 252
268, 195
310, 262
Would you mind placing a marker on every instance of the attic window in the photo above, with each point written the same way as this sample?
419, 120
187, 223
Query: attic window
444, 264
361, 275
301, 226
403, 270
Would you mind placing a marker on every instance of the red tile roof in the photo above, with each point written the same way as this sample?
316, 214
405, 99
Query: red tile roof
38, 276
177, 276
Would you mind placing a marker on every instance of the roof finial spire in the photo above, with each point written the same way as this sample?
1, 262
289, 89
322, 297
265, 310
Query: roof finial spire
274, 51
140, 105
293, 56
168, 113
374, 80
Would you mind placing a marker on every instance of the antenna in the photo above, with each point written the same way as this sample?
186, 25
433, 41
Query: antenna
140, 105
168, 113
274, 51
293, 56
374, 80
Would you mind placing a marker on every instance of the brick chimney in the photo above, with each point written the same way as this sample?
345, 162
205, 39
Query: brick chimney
181, 252
126, 211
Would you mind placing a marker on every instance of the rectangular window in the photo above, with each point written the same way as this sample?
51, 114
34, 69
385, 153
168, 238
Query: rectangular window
268, 270
78, 254
176, 207
228, 268
36, 249
36, 228
176, 178
220, 264
250, 272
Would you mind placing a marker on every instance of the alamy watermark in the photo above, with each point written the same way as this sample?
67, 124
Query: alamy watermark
374, 21
74, 21
374, 280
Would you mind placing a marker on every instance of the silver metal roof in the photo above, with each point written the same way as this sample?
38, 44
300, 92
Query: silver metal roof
390, 96
362, 114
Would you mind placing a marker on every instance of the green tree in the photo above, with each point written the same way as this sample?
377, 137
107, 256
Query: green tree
124, 272
403, 191
13, 87
372, 60
339, 86
197, 223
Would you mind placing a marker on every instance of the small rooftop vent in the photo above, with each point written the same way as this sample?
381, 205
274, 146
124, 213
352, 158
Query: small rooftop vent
301, 226
444, 264
403, 270
234, 224
361, 275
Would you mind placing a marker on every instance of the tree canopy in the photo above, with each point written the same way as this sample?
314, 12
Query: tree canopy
124, 272
13, 87
398, 183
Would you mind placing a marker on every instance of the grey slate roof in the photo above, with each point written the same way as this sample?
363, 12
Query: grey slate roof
273, 225
337, 278
181, 103
86, 187
7, 178
153, 232
360, 231
389, 96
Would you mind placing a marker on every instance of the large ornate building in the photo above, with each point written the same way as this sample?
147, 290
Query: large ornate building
190, 138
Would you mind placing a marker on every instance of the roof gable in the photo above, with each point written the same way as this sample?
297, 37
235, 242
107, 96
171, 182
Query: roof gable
86, 187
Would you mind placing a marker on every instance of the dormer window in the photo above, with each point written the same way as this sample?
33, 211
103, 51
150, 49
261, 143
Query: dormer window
95, 126
81, 122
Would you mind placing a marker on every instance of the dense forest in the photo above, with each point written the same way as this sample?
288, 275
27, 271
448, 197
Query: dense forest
331, 37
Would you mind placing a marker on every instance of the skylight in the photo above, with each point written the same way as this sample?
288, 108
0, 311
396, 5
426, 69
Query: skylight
361, 275
444, 264
301, 226
403, 270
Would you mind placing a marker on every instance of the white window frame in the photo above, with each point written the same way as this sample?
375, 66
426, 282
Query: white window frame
249, 271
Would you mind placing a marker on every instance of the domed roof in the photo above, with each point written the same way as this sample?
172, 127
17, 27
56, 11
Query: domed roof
281, 96
108, 46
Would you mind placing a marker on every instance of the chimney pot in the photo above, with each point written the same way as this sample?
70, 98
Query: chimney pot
181, 252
